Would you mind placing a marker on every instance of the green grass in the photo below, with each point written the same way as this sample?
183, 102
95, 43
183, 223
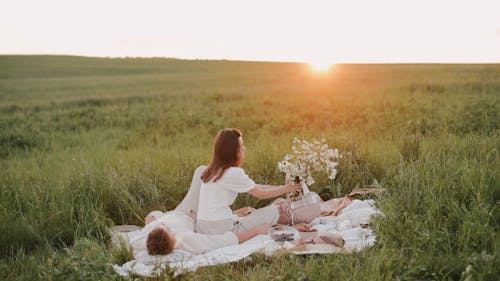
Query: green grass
90, 142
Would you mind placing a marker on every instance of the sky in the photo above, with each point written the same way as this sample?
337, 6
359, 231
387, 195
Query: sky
306, 31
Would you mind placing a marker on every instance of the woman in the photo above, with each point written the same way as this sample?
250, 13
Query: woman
222, 180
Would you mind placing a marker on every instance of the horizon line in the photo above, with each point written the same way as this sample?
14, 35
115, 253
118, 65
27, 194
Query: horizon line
250, 60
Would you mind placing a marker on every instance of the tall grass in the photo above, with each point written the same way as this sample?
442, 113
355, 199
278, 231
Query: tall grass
86, 143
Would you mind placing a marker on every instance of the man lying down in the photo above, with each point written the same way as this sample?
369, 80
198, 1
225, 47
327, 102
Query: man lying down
174, 229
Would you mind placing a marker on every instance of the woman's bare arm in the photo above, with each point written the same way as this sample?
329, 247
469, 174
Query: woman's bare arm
269, 191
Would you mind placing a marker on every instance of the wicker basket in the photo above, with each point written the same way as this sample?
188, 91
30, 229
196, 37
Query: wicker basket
303, 210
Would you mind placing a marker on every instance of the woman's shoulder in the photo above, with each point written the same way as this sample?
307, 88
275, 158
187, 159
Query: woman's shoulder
234, 171
236, 179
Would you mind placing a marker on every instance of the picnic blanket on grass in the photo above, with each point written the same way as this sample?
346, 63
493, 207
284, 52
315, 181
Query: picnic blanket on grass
352, 224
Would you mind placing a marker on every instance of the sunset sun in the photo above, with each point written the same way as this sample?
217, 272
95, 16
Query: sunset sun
320, 65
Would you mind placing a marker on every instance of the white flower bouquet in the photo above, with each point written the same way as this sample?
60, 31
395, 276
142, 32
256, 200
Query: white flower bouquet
308, 158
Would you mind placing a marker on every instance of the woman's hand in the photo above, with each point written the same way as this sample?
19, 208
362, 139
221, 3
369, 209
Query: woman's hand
290, 187
245, 211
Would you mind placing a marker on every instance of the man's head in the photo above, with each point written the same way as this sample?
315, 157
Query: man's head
160, 241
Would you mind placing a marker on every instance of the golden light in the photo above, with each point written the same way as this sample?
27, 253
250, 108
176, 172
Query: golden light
320, 65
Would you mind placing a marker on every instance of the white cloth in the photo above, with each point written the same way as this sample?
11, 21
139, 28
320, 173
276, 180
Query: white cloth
189, 204
266, 215
198, 243
216, 197
356, 238
149, 266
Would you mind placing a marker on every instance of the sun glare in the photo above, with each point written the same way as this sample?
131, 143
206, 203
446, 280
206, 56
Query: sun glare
320, 66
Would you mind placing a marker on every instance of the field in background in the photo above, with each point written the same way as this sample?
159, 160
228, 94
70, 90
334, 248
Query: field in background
88, 142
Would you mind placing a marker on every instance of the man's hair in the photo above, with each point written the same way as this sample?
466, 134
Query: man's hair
159, 242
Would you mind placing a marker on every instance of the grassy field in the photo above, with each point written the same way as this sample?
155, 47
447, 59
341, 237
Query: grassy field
90, 142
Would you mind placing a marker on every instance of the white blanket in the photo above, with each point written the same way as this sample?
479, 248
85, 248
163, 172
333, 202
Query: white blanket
348, 224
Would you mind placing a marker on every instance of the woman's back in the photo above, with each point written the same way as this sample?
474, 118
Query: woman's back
216, 197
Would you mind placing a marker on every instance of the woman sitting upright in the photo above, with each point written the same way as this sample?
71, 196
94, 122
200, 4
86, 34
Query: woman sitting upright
222, 180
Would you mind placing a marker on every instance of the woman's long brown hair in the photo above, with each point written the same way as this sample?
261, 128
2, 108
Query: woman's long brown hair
226, 150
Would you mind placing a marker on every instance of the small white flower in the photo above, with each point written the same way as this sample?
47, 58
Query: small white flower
310, 180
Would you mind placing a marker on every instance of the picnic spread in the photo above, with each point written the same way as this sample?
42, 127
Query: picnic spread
347, 217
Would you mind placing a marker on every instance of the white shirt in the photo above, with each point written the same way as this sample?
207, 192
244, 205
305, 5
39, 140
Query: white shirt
189, 204
216, 197
182, 226
198, 243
